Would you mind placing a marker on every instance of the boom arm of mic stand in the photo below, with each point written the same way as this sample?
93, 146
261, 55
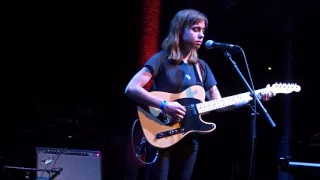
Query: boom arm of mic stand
228, 55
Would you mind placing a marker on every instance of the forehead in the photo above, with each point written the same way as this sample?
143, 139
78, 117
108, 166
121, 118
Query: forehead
200, 24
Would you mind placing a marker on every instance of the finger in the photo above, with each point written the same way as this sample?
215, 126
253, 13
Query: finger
271, 94
179, 117
182, 108
264, 97
180, 112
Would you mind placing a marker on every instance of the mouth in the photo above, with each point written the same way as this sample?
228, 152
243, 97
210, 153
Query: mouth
199, 42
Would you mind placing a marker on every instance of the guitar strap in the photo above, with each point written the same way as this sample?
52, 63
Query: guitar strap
198, 69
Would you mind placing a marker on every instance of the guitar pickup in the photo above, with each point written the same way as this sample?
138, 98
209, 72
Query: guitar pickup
169, 133
167, 120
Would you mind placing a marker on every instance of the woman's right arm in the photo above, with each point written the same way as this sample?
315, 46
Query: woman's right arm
135, 89
136, 92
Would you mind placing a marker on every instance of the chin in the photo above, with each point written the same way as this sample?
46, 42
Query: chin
197, 47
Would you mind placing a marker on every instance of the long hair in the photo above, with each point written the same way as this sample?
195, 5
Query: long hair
180, 22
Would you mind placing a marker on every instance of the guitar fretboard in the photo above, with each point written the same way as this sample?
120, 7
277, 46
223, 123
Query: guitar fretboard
225, 102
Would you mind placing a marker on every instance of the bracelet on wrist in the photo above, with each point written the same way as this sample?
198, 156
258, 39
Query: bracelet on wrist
163, 105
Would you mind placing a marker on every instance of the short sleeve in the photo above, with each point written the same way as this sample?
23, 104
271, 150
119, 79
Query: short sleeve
154, 63
209, 79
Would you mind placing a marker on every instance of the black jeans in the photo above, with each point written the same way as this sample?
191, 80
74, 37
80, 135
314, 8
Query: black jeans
176, 162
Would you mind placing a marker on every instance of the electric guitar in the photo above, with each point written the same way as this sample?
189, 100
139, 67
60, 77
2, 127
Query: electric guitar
162, 131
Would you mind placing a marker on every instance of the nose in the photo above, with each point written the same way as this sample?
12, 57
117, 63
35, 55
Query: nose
201, 35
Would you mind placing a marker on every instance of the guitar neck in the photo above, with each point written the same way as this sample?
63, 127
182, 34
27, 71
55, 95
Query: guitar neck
212, 105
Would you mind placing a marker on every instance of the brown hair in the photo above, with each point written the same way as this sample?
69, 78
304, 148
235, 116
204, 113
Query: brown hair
180, 22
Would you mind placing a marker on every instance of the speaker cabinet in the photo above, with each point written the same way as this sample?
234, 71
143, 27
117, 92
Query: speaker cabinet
73, 164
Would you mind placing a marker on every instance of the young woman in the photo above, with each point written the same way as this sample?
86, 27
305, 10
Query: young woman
173, 69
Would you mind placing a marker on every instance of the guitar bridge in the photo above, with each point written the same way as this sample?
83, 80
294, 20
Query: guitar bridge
169, 133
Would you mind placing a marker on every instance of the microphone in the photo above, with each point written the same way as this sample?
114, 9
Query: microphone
211, 44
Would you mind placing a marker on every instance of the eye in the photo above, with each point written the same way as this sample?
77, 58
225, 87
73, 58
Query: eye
196, 29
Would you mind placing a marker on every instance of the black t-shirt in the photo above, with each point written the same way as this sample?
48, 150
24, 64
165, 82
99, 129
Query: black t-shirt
175, 78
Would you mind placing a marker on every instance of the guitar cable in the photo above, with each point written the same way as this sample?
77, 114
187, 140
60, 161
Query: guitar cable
141, 145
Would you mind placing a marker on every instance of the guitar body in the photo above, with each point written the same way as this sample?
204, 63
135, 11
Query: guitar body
161, 131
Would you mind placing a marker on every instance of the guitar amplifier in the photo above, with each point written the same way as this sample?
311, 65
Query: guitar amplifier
68, 164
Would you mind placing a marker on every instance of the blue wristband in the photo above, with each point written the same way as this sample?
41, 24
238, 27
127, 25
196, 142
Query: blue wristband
163, 105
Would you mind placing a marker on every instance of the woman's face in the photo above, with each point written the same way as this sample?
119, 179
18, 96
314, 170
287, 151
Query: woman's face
193, 36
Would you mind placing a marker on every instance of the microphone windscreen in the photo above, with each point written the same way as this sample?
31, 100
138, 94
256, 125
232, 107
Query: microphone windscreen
208, 44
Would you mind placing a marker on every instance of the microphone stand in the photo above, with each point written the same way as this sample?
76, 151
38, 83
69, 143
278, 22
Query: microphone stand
253, 113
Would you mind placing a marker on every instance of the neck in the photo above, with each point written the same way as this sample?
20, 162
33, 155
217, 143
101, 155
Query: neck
230, 101
186, 55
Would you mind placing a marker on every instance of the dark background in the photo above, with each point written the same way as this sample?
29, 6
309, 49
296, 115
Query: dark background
65, 66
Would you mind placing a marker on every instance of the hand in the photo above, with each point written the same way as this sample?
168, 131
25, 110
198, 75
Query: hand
266, 94
175, 110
